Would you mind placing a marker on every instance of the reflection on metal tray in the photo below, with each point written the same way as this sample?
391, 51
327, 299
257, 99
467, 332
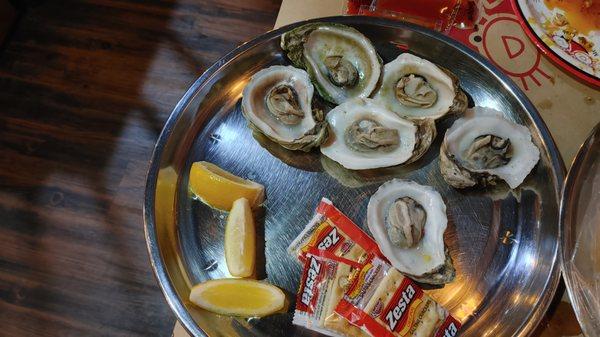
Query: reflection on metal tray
504, 244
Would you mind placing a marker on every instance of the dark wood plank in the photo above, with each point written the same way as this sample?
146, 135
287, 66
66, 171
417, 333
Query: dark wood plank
8, 15
85, 87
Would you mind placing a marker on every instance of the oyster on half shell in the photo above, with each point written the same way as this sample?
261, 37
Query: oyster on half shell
416, 88
278, 103
408, 221
483, 147
341, 61
365, 135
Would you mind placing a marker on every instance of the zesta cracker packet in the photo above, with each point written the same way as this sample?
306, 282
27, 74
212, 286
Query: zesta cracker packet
332, 231
324, 280
384, 303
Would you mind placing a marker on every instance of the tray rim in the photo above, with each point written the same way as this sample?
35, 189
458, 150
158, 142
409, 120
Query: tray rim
159, 270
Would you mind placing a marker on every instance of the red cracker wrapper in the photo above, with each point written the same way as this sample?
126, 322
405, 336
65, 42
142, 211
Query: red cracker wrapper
324, 280
384, 303
332, 231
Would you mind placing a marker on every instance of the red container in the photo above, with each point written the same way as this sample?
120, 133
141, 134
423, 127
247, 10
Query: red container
440, 15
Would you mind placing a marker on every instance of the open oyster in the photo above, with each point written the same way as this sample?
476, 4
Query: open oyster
340, 60
365, 135
416, 88
408, 221
483, 147
277, 103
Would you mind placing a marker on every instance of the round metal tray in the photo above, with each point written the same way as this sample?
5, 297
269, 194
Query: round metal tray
504, 244
580, 218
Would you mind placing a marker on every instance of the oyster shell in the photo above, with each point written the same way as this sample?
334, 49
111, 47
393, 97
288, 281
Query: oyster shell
483, 147
408, 221
277, 103
416, 88
341, 61
365, 135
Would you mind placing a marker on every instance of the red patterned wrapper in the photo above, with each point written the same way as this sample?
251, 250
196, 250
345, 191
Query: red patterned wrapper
384, 303
325, 278
332, 231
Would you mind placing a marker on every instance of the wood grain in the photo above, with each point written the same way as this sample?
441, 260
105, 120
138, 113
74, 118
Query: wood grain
85, 87
8, 15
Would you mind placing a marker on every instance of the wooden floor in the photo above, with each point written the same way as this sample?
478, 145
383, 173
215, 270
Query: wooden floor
85, 87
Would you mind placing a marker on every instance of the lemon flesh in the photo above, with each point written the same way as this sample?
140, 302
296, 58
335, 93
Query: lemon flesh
219, 188
240, 239
238, 297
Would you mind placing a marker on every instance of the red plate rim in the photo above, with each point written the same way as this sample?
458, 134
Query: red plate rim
570, 68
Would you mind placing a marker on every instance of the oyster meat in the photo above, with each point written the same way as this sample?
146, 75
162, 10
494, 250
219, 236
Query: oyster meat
408, 221
365, 135
483, 147
278, 103
341, 61
416, 88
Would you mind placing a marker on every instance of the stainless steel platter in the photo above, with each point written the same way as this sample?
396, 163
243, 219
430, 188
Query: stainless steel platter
504, 244
580, 219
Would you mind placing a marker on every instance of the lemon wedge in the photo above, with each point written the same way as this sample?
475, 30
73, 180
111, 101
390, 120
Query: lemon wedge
240, 239
219, 188
238, 297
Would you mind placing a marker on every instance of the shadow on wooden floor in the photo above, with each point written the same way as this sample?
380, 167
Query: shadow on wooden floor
85, 87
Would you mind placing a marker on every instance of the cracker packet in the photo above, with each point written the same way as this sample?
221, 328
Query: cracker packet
384, 303
324, 280
332, 231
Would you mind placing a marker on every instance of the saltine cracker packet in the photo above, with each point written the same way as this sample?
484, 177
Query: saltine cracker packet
324, 281
332, 231
384, 303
